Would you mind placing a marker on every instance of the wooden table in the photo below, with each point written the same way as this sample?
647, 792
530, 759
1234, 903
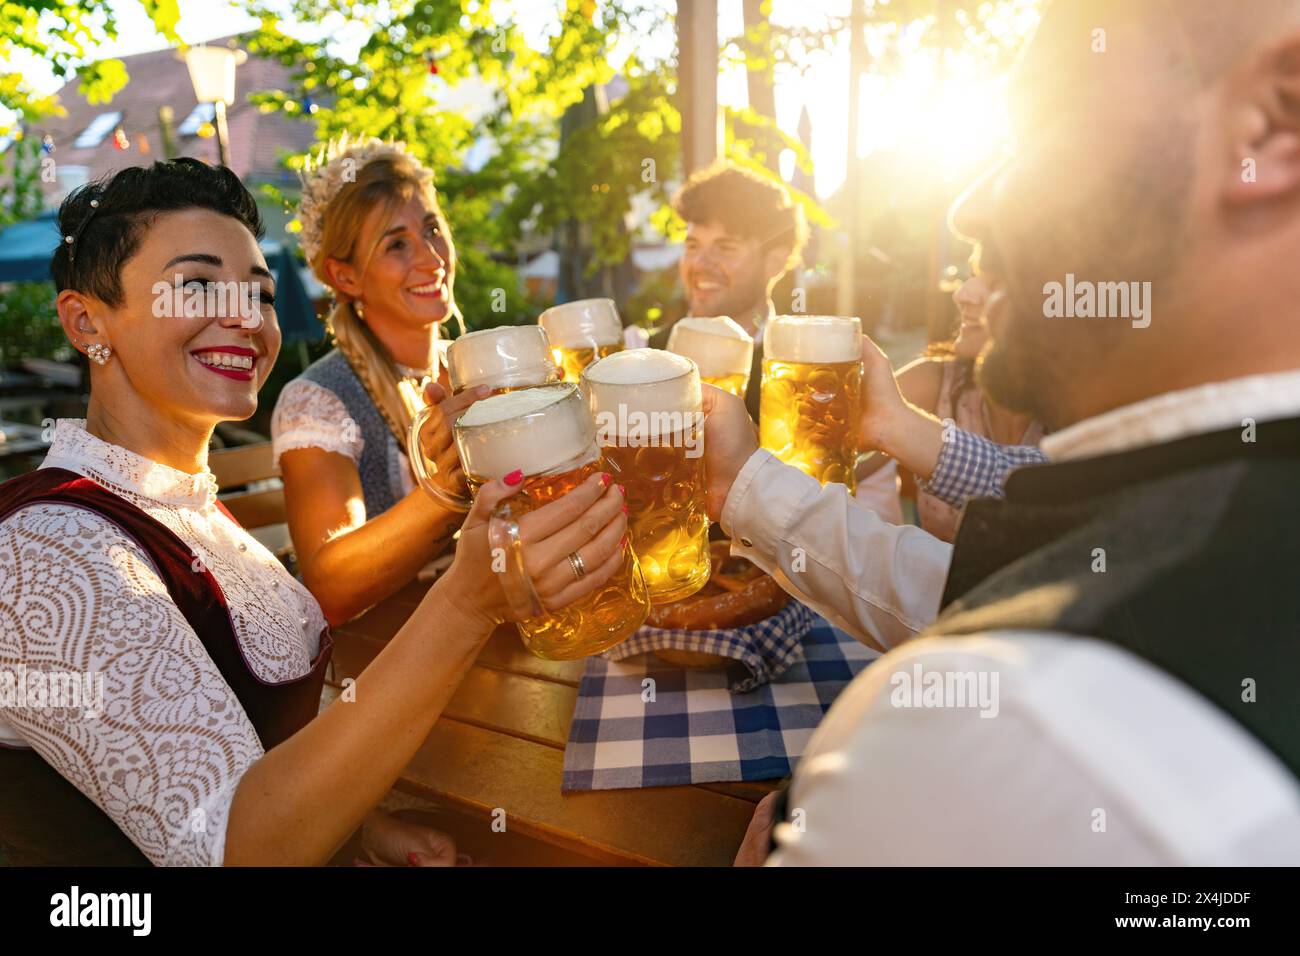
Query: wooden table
500, 744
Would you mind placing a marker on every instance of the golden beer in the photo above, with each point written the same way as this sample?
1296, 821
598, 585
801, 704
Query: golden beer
646, 405
723, 351
582, 332
547, 431
810, 403
735, 384
504, 359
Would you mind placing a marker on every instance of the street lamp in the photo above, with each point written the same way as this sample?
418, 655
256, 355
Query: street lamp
212, 71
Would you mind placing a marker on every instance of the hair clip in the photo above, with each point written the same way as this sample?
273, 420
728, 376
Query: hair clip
71, 240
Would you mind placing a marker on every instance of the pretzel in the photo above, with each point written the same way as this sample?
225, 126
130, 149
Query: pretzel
738, 594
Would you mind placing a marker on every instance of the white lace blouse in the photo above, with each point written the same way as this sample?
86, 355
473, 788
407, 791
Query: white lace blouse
169, 744
308, 415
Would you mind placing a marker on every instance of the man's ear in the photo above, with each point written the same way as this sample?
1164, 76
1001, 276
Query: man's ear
77, 316
1265, 128
343, 277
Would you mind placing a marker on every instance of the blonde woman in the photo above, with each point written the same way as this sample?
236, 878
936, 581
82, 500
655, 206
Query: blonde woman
373, 232
942, 383
198, 740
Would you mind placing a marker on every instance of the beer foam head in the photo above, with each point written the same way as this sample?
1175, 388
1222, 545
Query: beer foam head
583, 324
819, 339
718, 345
641, 385
505, 357
535, 429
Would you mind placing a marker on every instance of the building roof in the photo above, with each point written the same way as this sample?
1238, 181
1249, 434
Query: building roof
158, 78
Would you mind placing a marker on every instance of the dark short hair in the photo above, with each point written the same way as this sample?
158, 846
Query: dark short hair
107, 234
747, 205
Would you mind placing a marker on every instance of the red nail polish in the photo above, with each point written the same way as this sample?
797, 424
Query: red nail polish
624, 506
622, 491
413, 859
514, 477
623, 542
605, 479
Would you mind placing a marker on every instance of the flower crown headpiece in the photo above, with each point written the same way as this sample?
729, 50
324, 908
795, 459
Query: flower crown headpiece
324, 175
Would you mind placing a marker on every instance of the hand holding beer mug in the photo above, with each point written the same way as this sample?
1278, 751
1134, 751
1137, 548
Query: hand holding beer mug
582, 332
810, 406
430, 441
723, 350
646, 404
503, 359
546, 433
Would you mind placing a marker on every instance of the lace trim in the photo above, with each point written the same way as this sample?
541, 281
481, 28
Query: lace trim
124, 472
308, 415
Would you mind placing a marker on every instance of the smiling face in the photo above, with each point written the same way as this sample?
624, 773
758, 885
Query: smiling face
201, 366
970, 299
724, 274
1156, 146
408, 265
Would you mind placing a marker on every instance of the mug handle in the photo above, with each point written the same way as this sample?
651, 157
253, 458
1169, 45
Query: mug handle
503, 537
415, 454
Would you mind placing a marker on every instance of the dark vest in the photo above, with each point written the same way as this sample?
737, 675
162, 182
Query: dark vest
44, 820
1201, 543
381, 458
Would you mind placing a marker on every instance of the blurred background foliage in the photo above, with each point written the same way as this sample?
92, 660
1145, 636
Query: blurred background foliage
554, 170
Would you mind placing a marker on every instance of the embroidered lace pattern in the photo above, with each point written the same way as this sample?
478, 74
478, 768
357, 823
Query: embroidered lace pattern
163, 749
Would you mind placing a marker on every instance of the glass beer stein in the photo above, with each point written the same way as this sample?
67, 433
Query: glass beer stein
547, 431
581, 332
504, 359
723, 350
810, 402
646, 405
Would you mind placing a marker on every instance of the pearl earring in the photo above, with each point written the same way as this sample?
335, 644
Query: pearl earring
99, 353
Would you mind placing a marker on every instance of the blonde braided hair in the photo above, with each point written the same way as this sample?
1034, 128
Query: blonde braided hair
340, 185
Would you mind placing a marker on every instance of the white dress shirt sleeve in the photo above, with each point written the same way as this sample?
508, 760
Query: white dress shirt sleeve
1088, 755
880, 582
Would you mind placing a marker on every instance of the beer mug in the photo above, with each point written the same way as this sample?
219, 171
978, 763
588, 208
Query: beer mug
548, 432
646, 406
504, 358
810, 402
723, 350
581, 332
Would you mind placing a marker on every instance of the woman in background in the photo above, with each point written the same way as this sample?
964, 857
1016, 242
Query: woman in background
942, 382
373, 231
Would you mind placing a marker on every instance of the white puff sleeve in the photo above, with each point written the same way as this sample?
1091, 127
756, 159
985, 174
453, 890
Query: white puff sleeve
308, 415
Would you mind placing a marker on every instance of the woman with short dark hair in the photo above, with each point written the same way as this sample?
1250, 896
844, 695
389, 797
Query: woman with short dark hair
196, 659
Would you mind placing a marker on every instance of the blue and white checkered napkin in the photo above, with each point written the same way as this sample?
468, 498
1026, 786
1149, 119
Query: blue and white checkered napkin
688, 727
766, 648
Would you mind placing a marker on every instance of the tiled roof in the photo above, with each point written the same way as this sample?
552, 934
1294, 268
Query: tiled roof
159, 79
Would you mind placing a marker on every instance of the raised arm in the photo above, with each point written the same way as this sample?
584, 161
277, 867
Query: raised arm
880, 582
348, 559
301, 800
952, 464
